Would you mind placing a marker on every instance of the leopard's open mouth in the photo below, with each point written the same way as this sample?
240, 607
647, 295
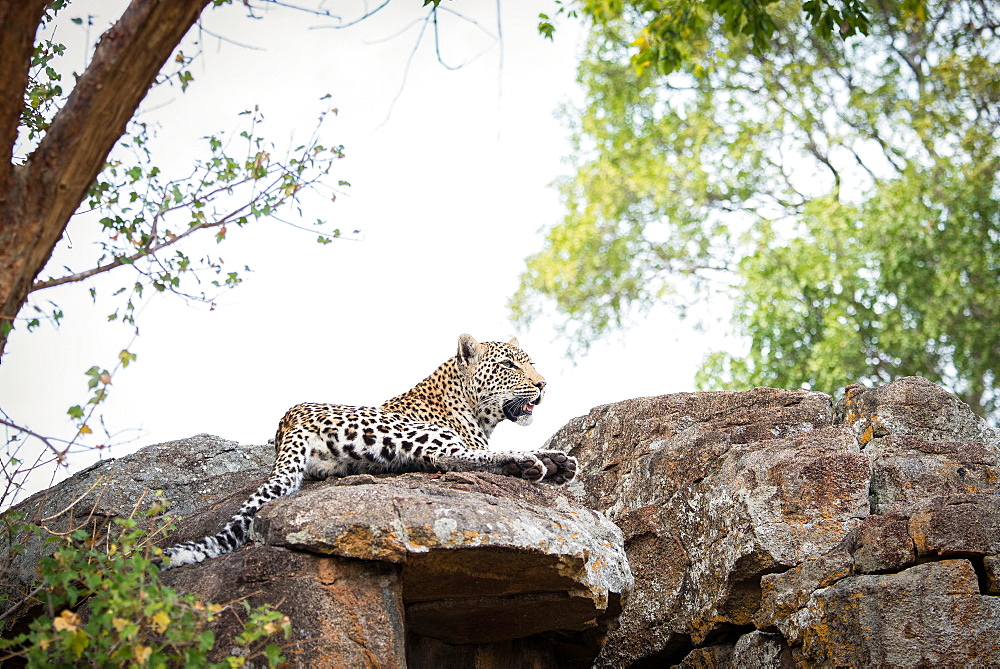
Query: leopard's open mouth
517, 407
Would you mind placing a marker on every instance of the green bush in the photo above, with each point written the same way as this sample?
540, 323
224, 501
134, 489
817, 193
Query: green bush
130, 617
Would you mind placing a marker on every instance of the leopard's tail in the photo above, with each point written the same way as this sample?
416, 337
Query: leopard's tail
236, 532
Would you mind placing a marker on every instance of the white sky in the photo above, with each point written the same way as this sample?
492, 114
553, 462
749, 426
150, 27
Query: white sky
451, 194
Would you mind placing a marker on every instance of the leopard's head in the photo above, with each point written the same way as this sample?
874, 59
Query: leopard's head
502, 378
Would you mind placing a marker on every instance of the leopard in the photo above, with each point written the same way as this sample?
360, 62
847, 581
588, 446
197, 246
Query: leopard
443, 424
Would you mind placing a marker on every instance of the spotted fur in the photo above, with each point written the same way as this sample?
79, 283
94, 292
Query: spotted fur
442, 424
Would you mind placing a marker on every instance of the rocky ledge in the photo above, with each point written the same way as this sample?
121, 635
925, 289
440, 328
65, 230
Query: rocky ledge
765, 528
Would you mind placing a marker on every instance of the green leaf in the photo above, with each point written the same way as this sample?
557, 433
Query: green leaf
79, 643
125, 357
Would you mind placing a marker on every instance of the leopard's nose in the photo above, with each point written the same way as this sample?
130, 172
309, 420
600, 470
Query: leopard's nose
541, 386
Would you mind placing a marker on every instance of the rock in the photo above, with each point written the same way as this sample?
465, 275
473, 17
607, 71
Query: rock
883, 543
484, 558
958, 525
762, 650
344, 613
761, 526
369, 569
914, 406
709, 657
927, 615
712, 491
784, 594
907, 469
991, 569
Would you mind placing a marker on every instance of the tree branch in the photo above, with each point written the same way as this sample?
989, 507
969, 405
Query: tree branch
46, 191
155, 244
148, 250
19, 19
60, 454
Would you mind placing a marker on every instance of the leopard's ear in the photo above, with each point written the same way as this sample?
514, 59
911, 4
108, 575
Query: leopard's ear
469, 350
513, 342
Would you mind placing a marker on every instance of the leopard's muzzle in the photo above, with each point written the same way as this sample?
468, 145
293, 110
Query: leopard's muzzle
517, 408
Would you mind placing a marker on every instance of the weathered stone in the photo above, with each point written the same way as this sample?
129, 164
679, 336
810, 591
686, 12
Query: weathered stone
619, 439
906, 470
712, 491
883, 543
719, 656
192, 474
759, 534
991, 565
910, 405
343, 613
760, 650
782, 595
959, 525
928, 615
485, 558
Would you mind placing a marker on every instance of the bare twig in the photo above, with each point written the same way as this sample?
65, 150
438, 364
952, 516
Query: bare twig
75, 501
45, 440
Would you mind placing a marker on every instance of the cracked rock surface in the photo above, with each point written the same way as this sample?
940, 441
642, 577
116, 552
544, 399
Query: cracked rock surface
770, 528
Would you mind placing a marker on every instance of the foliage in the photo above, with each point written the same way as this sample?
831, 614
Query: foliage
843, 193
668, 33
104, 605
145, 218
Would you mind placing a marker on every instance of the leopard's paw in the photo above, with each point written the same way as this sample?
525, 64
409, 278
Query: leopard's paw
559, 467
525, 466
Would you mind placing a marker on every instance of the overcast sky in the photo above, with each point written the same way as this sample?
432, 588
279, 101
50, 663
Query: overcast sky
450, 186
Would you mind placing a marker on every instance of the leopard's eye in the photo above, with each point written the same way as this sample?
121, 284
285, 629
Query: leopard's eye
509, 364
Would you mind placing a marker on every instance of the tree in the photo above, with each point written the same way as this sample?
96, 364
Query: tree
842, 193
43, 192
56, 150
81, 156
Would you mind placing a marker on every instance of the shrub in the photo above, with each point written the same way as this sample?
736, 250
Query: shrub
104, 605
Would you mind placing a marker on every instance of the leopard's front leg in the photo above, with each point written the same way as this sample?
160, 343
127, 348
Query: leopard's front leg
553, 466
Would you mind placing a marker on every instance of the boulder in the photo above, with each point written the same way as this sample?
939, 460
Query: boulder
768, 527
906, 469
409, 570
712, 491
911, 405
760, 650
343, 613
930, 614
483, 558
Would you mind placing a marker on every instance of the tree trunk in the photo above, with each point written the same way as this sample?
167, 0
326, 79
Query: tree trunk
38, 197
